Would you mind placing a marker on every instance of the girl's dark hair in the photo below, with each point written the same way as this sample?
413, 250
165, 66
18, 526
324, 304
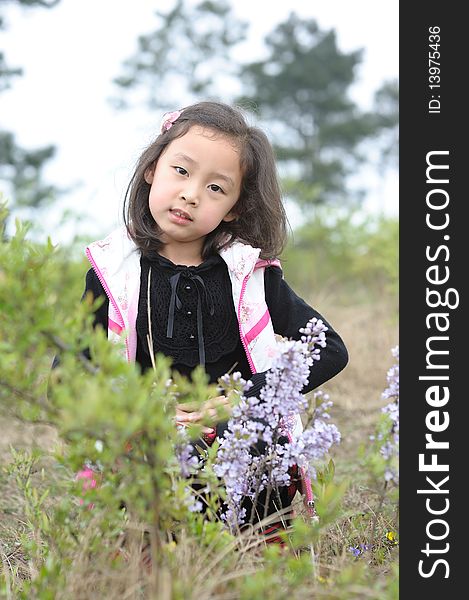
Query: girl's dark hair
260, 216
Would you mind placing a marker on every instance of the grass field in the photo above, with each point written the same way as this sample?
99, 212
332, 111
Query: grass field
369, 333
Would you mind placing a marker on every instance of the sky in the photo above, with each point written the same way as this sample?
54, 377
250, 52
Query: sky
70, 54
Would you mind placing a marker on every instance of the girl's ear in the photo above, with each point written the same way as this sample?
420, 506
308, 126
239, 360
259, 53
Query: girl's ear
231, 216
149, 174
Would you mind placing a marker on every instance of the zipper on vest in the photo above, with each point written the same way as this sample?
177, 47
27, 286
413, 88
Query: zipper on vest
245, 346
109, 295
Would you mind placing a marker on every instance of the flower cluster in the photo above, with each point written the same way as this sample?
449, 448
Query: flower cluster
189, 464
184, 451
392, 391
314, 443
265, 422
193, 505
390, 448
357, 551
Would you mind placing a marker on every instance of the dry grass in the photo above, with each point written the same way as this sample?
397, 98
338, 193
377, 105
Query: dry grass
369, 332
25, 436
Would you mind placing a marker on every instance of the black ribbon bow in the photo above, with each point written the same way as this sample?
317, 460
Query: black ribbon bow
176, 304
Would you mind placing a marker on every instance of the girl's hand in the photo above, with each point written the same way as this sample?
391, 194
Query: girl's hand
188, 418
214, 409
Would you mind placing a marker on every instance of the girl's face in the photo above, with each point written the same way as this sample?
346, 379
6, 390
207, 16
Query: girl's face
194, 187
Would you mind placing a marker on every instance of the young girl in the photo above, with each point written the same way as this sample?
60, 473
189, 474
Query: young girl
203, 214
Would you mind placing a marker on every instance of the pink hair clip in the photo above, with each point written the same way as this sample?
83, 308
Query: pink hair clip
168, 119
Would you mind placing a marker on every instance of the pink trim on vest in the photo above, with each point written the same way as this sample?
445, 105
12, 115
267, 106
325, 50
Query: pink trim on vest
115, 327
274, 262
132, 319
258, 327
108, 293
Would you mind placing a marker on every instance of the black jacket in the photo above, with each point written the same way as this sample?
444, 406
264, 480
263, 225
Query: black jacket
224, 350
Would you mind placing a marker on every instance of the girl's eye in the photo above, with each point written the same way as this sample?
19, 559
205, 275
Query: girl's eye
215, 188
181, 170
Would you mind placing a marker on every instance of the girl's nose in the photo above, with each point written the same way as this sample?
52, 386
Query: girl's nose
190, 197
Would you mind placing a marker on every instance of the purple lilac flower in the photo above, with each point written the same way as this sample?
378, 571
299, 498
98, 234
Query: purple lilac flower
188, 463
359, 550
390, 448
233, 518
392, 391
265, 418
192, 504
313, 444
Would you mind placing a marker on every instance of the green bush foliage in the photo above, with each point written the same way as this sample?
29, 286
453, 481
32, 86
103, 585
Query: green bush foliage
344, 253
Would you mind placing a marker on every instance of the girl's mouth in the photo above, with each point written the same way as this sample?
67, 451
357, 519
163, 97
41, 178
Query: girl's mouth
180, 216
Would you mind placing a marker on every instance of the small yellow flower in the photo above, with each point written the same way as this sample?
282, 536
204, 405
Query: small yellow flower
171, 546
391, 536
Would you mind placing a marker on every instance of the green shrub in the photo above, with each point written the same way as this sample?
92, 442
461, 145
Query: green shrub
354, 258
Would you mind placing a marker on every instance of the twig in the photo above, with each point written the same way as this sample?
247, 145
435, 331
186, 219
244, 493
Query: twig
58, 343
378, 510
31, 399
